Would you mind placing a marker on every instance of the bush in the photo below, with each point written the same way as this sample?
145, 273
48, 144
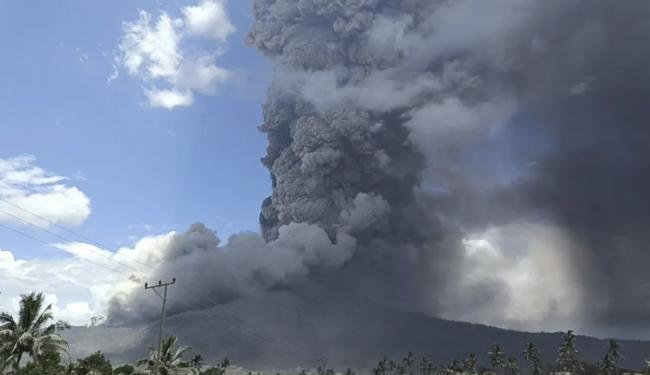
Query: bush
94, 364
124, 370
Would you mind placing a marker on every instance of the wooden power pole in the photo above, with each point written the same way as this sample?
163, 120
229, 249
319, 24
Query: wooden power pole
163, 297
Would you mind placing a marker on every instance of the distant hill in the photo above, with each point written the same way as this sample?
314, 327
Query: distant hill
281, 330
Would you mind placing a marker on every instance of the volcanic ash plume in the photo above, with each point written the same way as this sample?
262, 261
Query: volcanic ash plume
210, 274
368, 96
412, 142
459, 118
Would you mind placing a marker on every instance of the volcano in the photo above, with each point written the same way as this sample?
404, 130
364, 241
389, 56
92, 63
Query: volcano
283, 330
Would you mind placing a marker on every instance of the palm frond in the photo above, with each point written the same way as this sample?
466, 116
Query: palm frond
43, 318
31, 306
7, 321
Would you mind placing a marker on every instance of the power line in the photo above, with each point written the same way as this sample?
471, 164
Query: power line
235, 323
89, 240
100, 247
65, 239
240, 326
50, 245
209, 309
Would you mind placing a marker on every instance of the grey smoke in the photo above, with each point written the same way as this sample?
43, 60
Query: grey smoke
397, 128
209, 274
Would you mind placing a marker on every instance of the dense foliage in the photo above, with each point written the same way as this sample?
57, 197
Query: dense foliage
33, 334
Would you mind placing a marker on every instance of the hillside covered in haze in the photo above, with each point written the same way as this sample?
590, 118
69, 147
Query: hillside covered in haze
281, 330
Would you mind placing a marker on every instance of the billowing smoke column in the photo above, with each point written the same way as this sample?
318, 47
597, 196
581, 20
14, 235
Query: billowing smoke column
368, 96
341, 154
516, 112
448, 156
327, 153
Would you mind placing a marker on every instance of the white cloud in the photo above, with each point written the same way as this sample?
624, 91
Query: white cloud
66, 283
209, 19
25, 185
80, 286
169, 99
158, 52
89, 252
153, 47
202, 75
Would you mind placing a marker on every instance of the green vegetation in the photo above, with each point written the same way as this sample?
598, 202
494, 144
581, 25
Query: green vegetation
531, 354
94, 364
31, 344
568, 355
609, 364
497, 359
31, 334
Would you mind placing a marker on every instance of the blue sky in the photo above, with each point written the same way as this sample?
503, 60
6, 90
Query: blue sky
146, 170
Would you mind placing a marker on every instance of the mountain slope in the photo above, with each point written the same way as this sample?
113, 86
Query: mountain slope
278, 329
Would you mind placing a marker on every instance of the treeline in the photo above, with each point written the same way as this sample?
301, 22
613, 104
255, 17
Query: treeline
32, 344
568, 362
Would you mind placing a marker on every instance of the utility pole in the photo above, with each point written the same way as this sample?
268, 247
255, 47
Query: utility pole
163, 297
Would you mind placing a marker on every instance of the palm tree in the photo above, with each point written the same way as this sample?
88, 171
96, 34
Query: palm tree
32, 334
568, 355
532, 356
497, 358
171, 363
608, 365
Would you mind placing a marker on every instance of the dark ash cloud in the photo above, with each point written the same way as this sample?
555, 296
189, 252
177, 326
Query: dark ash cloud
414, 140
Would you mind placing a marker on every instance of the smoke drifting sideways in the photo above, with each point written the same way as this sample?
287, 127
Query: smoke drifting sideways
209, 274
448, 157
